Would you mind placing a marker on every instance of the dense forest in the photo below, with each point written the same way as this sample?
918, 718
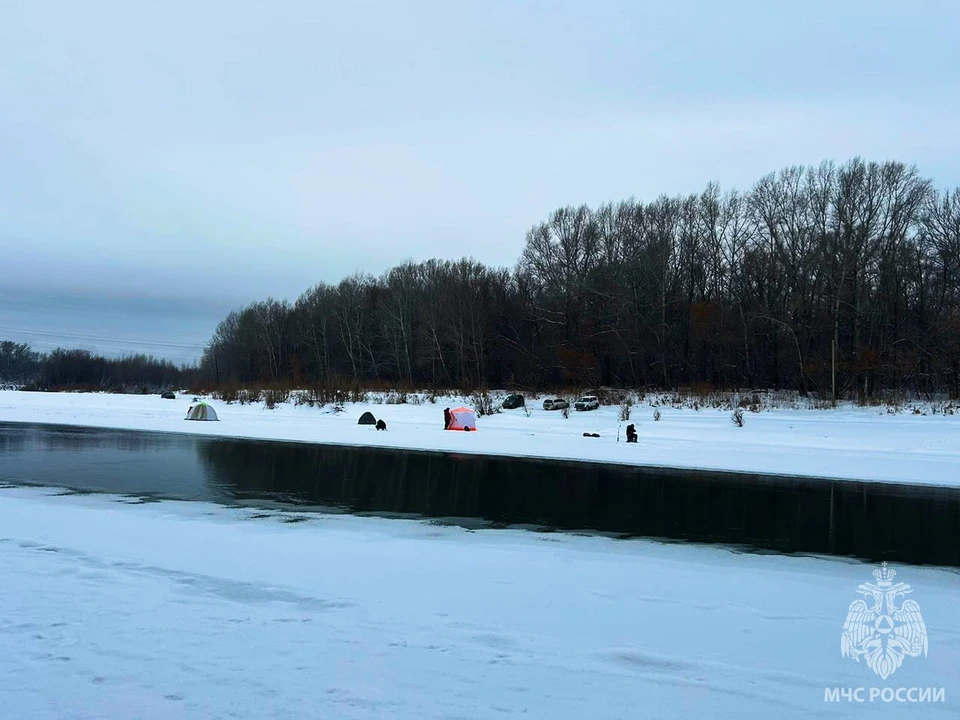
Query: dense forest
64, 369
834, 280
839, 280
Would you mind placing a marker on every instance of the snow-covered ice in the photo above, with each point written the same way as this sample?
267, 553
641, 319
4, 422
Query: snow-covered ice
858, 443
165, 610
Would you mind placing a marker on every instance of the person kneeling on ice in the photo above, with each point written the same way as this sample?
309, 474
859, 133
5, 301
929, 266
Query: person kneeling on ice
631, 433
381, 425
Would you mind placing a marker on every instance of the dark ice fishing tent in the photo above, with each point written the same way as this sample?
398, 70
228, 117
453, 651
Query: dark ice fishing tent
201, 411
367, 419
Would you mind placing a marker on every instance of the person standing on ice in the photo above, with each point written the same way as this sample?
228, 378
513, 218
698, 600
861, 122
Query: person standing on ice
446, 418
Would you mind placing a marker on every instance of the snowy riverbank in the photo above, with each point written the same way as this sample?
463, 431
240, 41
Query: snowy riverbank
849, 442
191, 610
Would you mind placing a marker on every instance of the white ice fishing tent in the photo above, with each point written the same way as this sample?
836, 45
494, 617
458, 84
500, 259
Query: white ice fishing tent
201, 411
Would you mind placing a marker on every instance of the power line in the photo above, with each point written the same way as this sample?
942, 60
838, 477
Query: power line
101, 338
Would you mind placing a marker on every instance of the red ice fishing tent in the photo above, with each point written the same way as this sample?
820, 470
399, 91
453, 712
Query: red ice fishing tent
462, 419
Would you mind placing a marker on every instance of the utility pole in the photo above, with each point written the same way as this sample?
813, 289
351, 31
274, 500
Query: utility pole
833, 370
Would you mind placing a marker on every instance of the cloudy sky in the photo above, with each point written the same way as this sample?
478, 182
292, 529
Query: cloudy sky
162, 163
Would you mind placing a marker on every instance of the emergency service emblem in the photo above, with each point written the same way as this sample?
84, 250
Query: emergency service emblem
884, 627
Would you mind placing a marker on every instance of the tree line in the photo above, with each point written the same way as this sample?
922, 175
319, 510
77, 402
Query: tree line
834, 280
67, 369
838, 280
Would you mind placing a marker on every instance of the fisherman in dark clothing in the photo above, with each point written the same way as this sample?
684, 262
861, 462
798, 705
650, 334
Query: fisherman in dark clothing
446, 418
631, 433
381, 425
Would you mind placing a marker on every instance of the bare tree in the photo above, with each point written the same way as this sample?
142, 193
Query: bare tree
829, 279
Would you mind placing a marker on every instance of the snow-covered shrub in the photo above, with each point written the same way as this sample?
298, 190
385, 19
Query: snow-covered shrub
613, 396
246, 396
625, 407
737, 417
300, 397
656, 415
227, 393
271, 398
483, 403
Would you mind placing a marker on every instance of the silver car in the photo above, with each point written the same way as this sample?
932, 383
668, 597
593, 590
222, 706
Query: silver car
587, 402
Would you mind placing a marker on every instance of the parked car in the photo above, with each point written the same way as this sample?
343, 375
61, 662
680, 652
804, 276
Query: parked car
555, 404
587, 402
512, 402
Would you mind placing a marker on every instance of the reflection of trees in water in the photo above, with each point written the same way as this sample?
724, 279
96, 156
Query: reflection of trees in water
359, 479
11, 440
102, 460
866, 520
56, 438
123, 440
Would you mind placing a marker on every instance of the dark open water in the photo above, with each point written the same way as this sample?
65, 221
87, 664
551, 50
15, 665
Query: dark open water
875, 521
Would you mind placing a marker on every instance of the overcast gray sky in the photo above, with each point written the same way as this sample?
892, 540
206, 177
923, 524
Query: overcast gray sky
161, 163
